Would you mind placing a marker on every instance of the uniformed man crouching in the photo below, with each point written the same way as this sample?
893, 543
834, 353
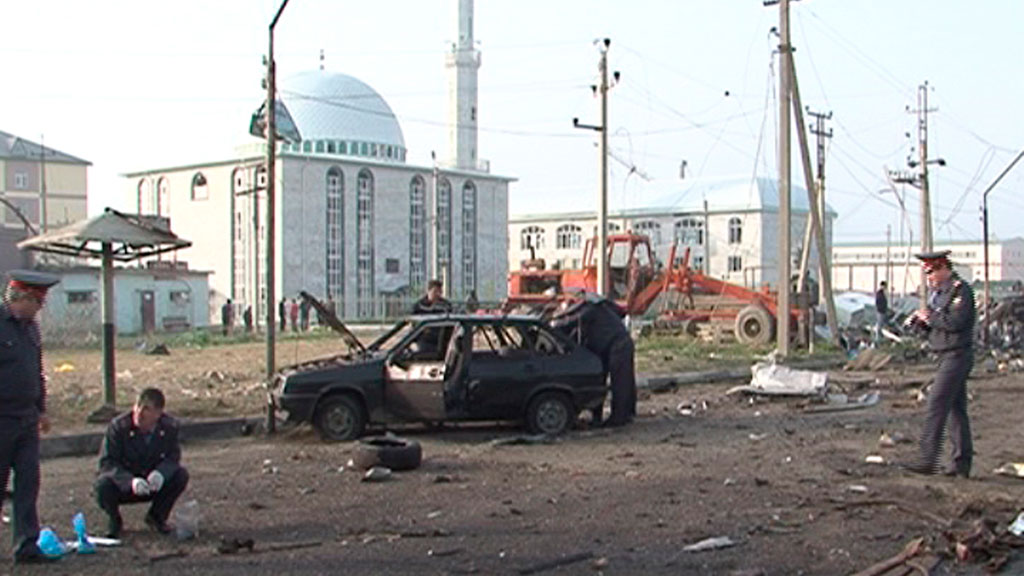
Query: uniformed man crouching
140, 462
948, 321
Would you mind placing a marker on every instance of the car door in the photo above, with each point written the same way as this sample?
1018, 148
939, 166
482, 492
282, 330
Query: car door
503, 370
415, 373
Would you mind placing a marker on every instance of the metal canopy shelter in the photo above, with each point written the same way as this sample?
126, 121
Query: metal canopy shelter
110, 236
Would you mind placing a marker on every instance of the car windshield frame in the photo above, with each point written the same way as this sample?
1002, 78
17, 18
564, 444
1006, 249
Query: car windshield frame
401, 329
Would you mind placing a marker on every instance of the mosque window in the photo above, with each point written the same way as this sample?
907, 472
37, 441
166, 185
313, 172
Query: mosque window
689, 231
335, 233
651, 229
319, 146
613, 228
364, 244
200, 190
735, 230
468, 237
531, 236
342, 147
363, 149
568, 237
307, 146
417, 234
444, 223
330, 148
163, 197
735, 263
373, 150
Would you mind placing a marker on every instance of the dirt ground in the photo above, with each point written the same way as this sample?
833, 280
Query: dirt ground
791, 489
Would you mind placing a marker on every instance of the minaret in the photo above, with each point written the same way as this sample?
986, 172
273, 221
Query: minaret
463, 61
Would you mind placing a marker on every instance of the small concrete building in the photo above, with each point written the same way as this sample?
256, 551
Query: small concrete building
861, 266
730, 226
157, 298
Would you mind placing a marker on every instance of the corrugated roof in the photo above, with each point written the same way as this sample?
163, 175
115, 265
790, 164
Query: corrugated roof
17, 148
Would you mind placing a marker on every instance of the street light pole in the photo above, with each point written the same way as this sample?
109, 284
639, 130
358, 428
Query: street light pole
271, 185
984, 226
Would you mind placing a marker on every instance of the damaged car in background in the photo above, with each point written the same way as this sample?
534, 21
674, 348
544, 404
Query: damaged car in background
445, 368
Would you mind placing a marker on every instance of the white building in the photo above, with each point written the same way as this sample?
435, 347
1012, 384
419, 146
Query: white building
861, 266
730, 225
354, 221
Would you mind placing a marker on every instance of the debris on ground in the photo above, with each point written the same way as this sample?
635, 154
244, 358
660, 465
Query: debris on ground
710, 544
869, 359
772, 379
377, 474
524, 440
556, 563
158, 350
1015, 469
64, 367
842, 403
983, 543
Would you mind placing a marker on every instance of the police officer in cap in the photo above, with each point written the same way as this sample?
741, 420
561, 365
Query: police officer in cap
597, 323
23, 403
948, 321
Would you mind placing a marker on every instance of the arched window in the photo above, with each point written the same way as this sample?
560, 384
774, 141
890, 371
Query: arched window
651, 229
200, 191
335, 191
444, 226
417, 234
568, 237
364, 243
735, 230
689, 231
531, 236
163, 197
468, 237
143, 197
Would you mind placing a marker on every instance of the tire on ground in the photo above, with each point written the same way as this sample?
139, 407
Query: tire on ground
340, 418
754, 325
550, 413
392, 452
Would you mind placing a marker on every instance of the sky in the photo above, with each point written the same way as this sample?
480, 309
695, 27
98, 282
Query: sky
132, 85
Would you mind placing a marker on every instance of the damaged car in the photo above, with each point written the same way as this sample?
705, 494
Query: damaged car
445, 368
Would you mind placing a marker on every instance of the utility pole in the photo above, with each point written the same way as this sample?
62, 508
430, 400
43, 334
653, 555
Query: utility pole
984, 227
433, 271
601, 251
271, 193
785, 92
42, 183
922, 180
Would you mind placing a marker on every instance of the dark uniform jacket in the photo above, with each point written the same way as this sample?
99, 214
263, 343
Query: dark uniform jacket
439, 306
881, 302
126, 454
951, 323
22, 382
596, 323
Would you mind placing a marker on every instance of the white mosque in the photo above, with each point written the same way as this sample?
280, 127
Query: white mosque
355, 222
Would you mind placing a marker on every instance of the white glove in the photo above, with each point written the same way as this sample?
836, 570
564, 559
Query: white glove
140, 487
156, 481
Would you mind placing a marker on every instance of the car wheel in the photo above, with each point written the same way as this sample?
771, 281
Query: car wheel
549, 413
394, 453
754, 325
340, 418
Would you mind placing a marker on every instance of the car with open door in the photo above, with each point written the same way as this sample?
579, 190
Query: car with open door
445, 368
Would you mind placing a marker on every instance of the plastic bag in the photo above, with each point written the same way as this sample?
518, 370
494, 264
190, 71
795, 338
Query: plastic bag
84, 545
186, 520
49, 544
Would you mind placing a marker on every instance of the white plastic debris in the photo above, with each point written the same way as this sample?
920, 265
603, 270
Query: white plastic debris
710, 544
874, 459
1011, 469
377, 474
773, 379
1017, 528
857, 488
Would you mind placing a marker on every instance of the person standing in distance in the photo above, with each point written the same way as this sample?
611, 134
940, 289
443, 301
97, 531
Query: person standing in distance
140, 462
23, 403
882, 309
948, 321
433, 302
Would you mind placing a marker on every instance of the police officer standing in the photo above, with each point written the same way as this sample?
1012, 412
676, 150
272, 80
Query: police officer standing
23, 403
597, 323
948, 321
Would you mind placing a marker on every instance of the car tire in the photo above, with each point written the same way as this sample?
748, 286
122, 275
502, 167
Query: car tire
550, 413
340, 418
389, 451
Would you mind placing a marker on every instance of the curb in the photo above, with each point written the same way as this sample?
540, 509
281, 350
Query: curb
88, 443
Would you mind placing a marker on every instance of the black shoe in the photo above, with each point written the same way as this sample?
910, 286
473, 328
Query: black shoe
157, 525
954, 473
114, 526
34, 557
922, 469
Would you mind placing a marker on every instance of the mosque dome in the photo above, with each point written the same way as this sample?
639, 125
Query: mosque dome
337, 114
